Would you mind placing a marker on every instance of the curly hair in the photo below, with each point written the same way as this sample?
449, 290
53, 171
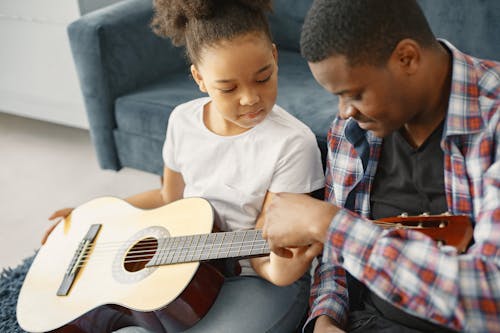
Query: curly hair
364, 31
196, 24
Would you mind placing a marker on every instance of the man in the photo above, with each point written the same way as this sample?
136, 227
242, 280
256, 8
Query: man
418, 131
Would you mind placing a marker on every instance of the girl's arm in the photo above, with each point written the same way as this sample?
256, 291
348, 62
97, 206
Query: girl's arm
172, 189
279, 270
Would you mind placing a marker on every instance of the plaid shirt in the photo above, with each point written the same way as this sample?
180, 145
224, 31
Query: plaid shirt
406, 268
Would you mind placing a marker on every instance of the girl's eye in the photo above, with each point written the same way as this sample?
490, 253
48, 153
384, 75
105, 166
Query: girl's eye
226, 91
264, 80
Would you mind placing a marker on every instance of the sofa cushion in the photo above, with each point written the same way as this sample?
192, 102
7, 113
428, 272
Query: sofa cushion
146, 111
286, 22
469, 25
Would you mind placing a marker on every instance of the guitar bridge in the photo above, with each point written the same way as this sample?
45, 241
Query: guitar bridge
78, 260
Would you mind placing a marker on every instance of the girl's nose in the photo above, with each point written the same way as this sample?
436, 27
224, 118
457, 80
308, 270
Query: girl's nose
249, 97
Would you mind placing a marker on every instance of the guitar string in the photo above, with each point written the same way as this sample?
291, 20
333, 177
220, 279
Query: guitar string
142, 250
169, 245
187, 250
178, 240
142, 246
254, 250
198, 247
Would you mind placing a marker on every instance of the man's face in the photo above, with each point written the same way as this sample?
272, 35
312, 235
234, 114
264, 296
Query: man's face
373, 96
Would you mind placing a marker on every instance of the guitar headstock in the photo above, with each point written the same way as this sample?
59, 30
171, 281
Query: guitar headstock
446, 229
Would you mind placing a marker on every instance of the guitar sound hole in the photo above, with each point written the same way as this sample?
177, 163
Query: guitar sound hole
140, 254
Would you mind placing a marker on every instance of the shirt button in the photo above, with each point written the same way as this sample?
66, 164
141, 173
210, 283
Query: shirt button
396, 298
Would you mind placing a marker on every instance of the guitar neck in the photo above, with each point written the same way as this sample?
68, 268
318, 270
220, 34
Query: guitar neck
219, 245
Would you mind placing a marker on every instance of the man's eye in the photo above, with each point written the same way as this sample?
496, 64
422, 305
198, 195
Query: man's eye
264, 80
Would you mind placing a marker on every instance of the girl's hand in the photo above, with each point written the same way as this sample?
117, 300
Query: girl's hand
60, 214
285, 271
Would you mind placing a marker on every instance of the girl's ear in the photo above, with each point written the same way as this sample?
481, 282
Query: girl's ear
198, 79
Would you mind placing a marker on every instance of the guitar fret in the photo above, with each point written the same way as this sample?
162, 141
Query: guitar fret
187, 249
172, 250
192, 250
203, 247
231, 244
178, 249
240, 240
163, 251
204, 240
219, 252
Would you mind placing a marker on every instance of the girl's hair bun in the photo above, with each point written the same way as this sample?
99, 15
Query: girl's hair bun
196, 22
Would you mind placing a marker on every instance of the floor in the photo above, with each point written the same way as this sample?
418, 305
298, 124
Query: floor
45, 167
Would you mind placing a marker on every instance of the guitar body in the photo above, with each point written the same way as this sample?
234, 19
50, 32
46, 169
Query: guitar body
172, 296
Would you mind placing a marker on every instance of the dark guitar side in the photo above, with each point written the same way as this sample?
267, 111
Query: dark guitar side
184, 312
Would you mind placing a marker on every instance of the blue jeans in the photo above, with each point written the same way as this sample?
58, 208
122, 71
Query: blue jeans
250, 304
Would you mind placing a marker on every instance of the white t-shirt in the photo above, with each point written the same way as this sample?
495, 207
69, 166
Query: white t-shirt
235, 172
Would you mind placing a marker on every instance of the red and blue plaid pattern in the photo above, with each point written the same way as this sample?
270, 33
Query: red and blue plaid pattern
406, 268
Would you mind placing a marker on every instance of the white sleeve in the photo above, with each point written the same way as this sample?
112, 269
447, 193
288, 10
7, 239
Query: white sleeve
169, 145
299, 168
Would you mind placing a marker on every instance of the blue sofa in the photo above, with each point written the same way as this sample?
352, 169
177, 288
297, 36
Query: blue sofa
131, 80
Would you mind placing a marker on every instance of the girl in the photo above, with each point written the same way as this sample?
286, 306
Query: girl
236, 148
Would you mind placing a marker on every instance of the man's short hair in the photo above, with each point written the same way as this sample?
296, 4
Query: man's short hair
364, 31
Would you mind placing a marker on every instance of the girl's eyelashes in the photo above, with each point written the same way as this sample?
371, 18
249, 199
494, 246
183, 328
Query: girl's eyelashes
227, 91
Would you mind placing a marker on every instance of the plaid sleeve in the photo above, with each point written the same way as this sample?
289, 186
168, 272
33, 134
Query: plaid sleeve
407, 269
328, 295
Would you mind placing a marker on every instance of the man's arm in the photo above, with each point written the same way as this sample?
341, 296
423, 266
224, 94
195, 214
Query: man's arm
280, 270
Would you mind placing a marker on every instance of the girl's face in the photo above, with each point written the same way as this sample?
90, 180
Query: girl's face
240, 75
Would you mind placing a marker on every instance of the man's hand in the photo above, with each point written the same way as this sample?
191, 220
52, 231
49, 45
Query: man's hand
295, 220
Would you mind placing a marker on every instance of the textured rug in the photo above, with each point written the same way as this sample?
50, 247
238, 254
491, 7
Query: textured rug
11, 280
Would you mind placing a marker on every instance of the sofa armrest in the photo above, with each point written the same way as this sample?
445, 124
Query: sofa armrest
115, 52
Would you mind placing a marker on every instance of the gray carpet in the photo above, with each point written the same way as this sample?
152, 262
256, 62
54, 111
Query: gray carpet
11, 280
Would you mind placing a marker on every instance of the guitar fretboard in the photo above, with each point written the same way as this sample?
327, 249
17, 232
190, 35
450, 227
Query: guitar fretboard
245, 243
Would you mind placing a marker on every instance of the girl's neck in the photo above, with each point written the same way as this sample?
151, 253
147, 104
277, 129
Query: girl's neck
215, 123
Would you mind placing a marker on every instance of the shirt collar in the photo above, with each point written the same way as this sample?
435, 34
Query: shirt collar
464, 114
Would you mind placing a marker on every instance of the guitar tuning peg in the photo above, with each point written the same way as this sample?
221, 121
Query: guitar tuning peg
403, 214
425, 214
447, 213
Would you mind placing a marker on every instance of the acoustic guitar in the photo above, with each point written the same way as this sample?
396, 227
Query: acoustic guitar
148, 265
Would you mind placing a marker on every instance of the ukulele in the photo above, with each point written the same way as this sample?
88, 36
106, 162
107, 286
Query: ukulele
445, 229
149, 265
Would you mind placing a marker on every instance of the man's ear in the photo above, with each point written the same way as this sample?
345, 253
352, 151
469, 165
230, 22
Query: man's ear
275, 53
407, 56
198, 79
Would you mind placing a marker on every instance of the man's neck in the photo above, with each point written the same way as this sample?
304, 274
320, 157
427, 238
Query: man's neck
435, 106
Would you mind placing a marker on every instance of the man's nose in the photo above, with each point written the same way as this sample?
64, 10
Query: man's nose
346, 111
